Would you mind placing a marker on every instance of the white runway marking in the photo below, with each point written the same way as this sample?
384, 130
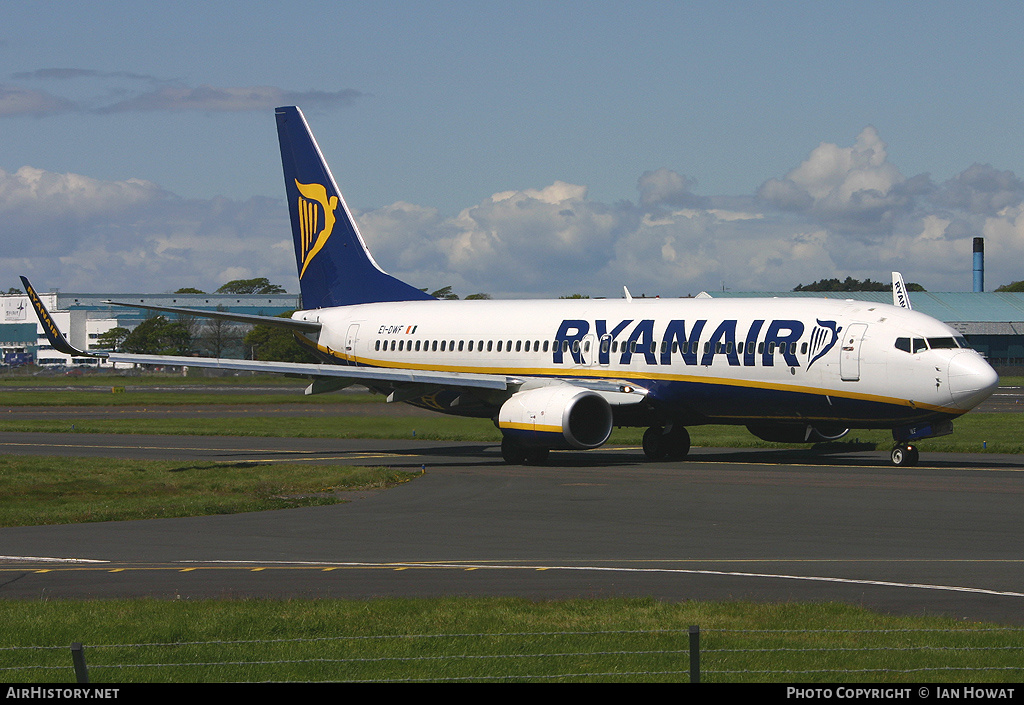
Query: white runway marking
610, 569
36, 559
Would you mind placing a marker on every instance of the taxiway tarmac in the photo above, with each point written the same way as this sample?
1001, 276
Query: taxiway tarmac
941, 538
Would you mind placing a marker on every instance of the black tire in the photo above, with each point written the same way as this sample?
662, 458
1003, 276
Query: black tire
671, 445
679, 444
655, 443
536, 456
904, 456
512, 451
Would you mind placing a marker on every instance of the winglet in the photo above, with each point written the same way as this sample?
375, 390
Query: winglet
53, 334
900, 297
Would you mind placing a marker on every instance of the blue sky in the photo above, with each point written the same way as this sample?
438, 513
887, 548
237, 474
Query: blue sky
753, 145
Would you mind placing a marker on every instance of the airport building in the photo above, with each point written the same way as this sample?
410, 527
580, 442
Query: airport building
993, 322
85, 317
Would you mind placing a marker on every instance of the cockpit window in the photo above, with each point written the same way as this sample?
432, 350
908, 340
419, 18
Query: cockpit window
916, 345
934, 343
911, 345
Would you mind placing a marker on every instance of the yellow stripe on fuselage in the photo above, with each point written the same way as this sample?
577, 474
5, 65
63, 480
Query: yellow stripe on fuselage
640, 375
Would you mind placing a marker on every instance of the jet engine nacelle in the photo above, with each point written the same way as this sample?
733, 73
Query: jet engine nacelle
559, 416
796, 432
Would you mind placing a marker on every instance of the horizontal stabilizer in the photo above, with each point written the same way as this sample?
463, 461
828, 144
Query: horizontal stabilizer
289, 323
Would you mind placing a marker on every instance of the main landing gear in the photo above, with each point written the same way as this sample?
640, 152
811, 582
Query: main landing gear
668, 442
514, 452
904, 455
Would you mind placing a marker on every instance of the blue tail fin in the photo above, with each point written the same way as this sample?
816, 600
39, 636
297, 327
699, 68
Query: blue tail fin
335, 268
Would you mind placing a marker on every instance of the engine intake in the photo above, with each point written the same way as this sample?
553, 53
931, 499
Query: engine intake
559, 416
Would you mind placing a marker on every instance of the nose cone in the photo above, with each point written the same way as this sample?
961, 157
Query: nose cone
971, 379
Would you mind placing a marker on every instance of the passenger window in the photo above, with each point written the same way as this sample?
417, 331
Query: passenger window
461, 345
376, 346
903, 344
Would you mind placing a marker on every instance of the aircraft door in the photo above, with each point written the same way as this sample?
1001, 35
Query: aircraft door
604, 350
350, 342
849, 360
589, 351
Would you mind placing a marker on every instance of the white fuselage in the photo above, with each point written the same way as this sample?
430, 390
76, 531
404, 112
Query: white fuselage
707, 360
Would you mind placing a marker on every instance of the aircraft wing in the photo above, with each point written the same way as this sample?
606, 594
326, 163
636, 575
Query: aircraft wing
350, 372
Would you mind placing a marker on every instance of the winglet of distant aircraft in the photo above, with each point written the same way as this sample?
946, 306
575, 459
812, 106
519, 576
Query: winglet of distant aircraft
560, 374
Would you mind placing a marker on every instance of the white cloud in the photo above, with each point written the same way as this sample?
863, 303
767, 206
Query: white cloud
843, 211
16, 101
852, 187
228, 99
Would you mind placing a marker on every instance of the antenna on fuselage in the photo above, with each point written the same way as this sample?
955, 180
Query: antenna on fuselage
629, 297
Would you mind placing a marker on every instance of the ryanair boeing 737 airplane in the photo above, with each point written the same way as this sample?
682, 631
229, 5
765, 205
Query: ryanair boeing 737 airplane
561, 374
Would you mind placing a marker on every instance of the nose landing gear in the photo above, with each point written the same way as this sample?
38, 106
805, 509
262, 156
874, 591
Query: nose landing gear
904, 455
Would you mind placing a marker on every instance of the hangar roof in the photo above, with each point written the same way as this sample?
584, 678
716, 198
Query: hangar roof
950, 307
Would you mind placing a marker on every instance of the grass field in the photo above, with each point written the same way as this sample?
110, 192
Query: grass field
42, 490
993, 433
494, 639
513, 640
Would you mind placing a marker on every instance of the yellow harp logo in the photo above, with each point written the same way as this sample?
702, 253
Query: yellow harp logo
312, 201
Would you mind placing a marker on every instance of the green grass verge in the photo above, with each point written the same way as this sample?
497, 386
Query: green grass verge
992, 433
43, 490
506, 639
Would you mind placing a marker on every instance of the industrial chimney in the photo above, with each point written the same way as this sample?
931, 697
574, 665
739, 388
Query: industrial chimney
979, 264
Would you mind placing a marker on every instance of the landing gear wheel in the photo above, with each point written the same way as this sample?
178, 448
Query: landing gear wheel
512, 451
666, 443
905, 456
536, 456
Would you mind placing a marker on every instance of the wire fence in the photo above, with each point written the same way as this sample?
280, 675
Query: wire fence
691, 655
